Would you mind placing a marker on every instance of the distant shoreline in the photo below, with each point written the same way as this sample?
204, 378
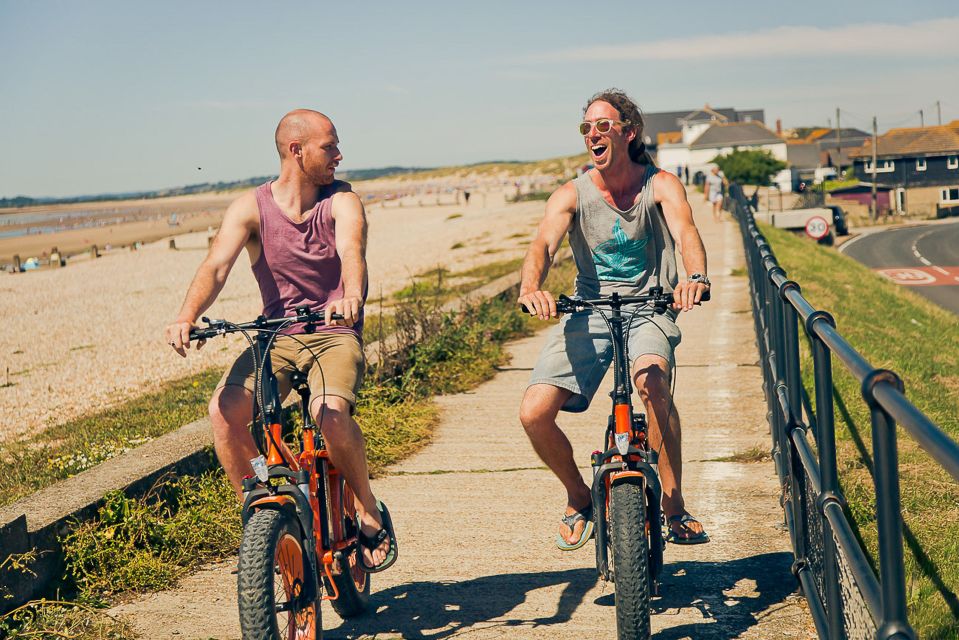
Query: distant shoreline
144, 221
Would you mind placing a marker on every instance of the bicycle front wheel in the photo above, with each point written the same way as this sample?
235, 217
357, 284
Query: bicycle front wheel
627, 524
272, 581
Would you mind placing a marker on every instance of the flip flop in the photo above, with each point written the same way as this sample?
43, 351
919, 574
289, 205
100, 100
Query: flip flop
570, 521
374, 541
695, 538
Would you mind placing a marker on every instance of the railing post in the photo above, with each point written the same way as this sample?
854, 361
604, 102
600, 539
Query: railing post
776, 356
892, 572
790, 377
829, 474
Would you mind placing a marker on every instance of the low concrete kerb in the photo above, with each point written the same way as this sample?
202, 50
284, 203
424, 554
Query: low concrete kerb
41, 519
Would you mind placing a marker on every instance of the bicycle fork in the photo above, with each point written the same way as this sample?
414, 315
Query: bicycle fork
609, 469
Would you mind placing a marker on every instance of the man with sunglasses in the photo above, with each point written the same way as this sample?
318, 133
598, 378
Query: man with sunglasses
305, 233
624, 218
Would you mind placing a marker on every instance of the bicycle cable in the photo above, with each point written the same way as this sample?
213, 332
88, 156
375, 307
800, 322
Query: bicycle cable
259, 362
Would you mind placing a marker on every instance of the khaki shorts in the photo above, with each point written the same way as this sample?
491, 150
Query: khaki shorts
578, 352
336, 370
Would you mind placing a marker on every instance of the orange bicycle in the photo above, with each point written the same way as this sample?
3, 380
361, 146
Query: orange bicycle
627, 494
299, 520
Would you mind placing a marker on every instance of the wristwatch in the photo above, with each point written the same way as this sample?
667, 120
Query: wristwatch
698, 277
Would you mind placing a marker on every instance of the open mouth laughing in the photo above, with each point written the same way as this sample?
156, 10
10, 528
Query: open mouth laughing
598, 151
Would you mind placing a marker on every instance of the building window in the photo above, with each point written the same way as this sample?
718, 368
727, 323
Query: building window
952, 162
920, 164
885, 166
950, 194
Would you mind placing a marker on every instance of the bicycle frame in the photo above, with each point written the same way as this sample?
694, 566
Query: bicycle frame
311, 487
627, 457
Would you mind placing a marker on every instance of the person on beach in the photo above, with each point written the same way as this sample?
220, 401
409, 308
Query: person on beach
713, 191
624, 217
305, 234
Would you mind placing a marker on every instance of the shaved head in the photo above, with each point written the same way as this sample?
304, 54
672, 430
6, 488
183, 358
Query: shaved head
298, 126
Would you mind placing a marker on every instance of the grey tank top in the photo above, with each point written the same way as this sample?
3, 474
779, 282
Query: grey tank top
623, 251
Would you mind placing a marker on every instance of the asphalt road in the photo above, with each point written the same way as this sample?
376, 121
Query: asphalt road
924, 258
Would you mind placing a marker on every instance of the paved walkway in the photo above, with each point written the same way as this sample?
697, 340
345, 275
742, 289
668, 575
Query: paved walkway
477, 558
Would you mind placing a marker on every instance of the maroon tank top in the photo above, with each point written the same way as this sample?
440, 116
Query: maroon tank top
298, 264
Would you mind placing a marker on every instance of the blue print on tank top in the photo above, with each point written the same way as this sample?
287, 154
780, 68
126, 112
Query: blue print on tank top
620, 259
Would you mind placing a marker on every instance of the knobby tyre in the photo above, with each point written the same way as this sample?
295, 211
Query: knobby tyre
352, 583
627, 525
271, 581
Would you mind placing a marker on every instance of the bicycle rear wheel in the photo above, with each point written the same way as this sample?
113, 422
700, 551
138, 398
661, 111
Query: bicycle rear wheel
627, 524
352, 583
271, 581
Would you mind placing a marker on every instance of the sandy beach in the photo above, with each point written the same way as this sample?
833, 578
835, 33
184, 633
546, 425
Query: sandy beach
80, 338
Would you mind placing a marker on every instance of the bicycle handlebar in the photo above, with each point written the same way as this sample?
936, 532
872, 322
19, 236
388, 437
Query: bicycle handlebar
222, 327
656, 296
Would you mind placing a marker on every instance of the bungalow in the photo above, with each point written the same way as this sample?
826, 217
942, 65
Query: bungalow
919, 164
706, 141
671, 123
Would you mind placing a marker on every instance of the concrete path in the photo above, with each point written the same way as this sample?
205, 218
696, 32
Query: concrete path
476, 513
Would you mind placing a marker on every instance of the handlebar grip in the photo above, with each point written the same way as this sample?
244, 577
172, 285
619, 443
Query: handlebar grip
705, 297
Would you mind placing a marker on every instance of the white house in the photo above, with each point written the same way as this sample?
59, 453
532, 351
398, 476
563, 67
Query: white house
706, 136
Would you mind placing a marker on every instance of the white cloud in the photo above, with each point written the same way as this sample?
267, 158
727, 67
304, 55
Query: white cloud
927, 39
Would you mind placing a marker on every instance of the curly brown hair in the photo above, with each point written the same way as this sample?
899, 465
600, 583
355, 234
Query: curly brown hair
628, 112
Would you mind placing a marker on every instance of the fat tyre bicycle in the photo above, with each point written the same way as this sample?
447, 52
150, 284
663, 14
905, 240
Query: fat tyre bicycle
626, 491
300, 534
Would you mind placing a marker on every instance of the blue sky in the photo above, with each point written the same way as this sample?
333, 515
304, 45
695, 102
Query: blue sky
102, 96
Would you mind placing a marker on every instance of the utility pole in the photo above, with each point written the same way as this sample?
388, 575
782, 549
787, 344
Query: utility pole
838, 147
874, 212
922, 120
938, 113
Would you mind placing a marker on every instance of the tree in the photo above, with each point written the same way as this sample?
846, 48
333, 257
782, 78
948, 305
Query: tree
752, 166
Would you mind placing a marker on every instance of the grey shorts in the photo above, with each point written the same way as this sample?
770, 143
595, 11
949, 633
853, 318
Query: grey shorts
578, 352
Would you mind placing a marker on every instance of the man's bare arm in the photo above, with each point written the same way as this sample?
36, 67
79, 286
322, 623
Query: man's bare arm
671, 195
539, 258
233, 235
349, 218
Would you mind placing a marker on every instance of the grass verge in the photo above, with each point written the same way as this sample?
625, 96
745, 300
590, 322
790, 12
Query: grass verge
898, 330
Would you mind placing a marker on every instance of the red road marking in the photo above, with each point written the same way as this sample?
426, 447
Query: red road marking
922, 276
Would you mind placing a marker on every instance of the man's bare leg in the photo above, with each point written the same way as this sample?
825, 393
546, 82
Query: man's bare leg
651, 378
347, 448
231, 410
538, 412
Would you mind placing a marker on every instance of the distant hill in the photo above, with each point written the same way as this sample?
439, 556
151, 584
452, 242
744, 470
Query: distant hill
202, 187
512, 167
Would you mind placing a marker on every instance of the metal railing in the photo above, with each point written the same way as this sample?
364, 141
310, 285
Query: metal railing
846, 598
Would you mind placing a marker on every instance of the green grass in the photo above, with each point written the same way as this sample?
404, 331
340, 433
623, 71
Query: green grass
896, 329
752, 454
831, 185
531, 196
67, 449
435, 283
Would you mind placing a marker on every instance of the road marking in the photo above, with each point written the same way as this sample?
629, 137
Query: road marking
922, 259
922, 276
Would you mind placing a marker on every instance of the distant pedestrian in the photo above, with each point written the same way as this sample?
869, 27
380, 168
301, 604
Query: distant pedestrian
686, 175
466, 197
713, 191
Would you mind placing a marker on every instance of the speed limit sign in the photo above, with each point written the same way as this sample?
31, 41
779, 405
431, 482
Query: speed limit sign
817, 228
